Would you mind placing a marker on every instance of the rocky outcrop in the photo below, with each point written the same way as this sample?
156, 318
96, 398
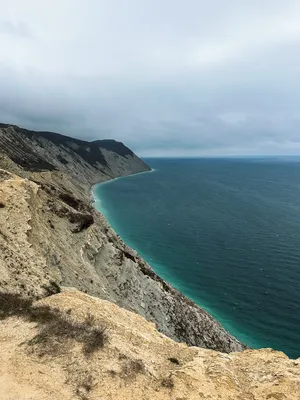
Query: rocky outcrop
51, 236
73, 346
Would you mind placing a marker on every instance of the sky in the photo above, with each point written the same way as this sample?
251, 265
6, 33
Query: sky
166, 77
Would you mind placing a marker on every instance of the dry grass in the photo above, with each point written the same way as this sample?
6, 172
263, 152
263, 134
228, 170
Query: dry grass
130, 368
168, 382
55, 327
13, 304
96, 339
84, 387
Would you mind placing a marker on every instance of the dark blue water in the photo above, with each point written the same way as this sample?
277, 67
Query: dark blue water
224, 232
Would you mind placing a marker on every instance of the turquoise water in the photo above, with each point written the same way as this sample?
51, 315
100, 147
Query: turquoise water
226, 233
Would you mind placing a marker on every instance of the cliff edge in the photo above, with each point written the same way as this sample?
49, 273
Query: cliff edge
51, 236
83, 316
73, 346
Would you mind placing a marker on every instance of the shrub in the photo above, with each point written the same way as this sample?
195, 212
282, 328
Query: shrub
55, 327
90, 319
84, 387
168, 382
95, 340
132, 367
13, 304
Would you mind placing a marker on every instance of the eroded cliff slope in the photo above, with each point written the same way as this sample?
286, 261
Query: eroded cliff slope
73, 346
86, 162
52, 237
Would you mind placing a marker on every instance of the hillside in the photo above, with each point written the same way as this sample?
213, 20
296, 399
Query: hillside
91, 162
73, 346
83, 316
51, 236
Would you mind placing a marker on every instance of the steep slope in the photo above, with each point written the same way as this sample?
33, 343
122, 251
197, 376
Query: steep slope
51, 236
48, 151
49, 351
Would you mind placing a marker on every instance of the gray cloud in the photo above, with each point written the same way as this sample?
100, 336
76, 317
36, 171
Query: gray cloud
15, 29
168, 78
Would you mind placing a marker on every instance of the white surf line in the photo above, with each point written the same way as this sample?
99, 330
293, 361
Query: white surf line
94, 197
126, 176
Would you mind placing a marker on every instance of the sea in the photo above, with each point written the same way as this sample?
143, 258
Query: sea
225, 232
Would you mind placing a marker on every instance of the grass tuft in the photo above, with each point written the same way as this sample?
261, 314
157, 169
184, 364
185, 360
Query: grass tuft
168, 382
84, 387
131, 368
95, 340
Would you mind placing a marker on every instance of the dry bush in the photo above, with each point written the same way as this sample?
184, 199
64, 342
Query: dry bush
168, 382
13, 304
84, 387
54, 327
95, 340
2, 205
90, 319
131, 368
57, 328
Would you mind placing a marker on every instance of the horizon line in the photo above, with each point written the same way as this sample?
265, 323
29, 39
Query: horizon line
225, 156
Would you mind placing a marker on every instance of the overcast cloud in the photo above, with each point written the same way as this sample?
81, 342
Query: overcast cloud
167, 77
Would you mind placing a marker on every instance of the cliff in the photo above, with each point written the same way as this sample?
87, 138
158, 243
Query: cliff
86, 162
51, 236
73, 346
83, 316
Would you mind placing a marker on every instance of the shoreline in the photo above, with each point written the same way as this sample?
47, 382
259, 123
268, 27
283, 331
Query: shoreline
157, 270
92, 194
